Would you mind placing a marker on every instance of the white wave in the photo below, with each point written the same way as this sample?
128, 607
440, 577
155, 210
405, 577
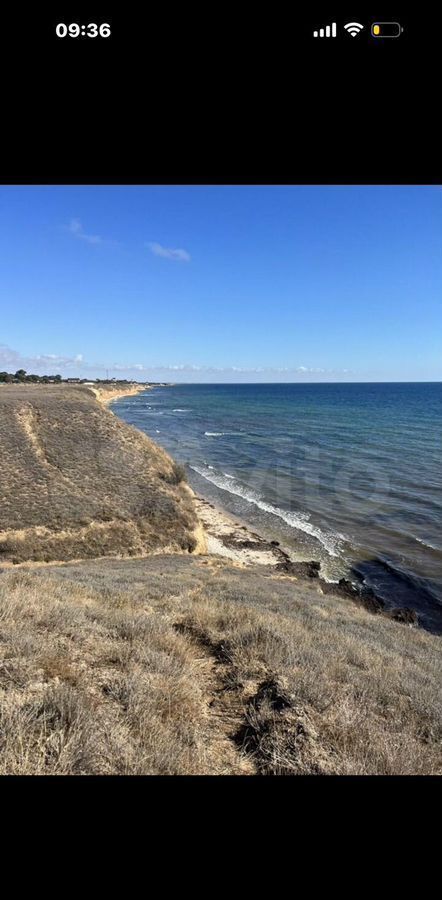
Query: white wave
295, 520
426, 544
226, 475
181, 410
157, 431
222, 433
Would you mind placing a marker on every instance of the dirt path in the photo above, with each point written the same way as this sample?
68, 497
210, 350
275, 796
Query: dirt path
226, 705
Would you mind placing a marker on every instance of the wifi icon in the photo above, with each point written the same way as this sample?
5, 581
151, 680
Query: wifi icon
353, 28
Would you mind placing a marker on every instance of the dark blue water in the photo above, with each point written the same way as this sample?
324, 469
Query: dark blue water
346, 473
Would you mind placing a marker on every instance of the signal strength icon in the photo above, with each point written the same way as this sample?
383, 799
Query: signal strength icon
328, 31
353, 28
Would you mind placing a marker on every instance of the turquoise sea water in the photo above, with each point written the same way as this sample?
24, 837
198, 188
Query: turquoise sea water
346, 473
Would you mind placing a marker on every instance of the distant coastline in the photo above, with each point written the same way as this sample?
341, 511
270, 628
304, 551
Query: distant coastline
105, 394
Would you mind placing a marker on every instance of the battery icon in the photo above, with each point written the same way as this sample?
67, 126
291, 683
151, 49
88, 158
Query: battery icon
386, 29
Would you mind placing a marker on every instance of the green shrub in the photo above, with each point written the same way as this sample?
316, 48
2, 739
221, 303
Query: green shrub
176, 476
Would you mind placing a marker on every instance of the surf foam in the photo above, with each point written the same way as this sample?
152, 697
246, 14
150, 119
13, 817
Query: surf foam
299, 521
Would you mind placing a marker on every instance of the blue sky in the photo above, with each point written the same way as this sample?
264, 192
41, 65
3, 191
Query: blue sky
230, 283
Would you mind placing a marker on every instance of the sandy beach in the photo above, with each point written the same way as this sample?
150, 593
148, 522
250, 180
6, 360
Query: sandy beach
227, 537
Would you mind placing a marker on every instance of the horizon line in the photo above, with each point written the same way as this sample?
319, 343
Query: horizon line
177, 383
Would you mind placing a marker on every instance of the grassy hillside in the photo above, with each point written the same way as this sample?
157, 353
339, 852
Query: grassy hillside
77, 482
179, 664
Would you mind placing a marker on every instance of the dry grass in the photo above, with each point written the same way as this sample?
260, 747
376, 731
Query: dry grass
181, 665
77, 482
95, 685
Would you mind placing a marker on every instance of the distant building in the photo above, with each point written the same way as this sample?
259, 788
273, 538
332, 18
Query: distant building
73, 380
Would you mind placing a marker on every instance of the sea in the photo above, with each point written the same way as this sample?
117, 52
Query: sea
348, 474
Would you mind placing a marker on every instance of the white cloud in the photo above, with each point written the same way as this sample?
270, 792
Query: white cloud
51, 363
169, 253
11, 360
243, 370
76, 229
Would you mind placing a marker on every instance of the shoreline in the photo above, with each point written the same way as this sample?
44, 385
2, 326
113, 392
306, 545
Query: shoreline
224, 535
219, 533
232, 538
236, 542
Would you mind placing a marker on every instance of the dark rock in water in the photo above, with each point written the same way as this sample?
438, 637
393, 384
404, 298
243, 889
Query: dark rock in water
343, 588
403, 614
299, 569
310, 568
360, 594
369, 601
364, 596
